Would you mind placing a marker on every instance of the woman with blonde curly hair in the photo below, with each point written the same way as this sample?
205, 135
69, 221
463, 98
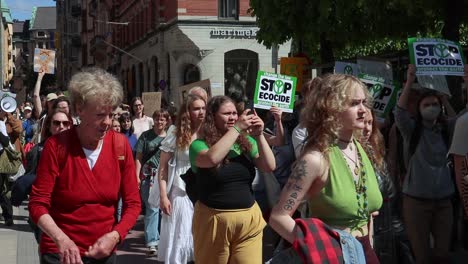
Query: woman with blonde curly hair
227, 223
333, 173
176, 243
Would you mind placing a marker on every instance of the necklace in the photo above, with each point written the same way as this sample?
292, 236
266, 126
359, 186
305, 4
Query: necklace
355, 161
360, 185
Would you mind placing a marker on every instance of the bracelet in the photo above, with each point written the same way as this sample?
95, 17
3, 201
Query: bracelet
237, 129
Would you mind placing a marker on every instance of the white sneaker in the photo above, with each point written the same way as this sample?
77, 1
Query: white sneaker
153, 250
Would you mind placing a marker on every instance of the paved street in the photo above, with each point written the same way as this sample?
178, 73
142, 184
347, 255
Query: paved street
18, 246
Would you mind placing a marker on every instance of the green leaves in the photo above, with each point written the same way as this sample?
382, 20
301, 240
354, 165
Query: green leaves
352, 28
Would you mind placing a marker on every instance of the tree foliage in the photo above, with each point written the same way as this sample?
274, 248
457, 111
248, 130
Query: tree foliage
353, 26
328, 30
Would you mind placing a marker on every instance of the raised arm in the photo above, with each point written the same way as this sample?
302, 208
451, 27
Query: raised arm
278, 138
36, 94
215, 154
265, 161
306, 178
410, 77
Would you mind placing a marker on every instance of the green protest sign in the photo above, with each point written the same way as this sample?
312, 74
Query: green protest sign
436, 56
275, 90
384, 95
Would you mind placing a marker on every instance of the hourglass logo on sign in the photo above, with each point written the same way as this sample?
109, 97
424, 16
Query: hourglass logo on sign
275, 90
436, 56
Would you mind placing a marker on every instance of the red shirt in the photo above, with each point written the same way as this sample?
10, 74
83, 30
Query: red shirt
82, 201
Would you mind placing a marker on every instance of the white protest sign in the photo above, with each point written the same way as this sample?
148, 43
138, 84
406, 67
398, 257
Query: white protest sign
346, 68
275, 90
384, 95
436, 56
44, 60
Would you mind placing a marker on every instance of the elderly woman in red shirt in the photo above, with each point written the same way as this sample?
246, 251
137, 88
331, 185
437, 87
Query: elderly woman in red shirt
80, 176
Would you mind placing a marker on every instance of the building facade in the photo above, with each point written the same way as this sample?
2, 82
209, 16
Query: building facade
21, 59
42, 29
192, 41
160, 45
7, 65
68, 40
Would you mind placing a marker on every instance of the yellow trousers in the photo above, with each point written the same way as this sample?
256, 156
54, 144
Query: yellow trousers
227, 236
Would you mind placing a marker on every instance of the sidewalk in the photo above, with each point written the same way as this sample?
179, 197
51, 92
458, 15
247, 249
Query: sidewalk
18, 246
17, 243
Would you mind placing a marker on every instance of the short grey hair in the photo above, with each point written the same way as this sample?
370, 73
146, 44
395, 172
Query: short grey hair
94, 84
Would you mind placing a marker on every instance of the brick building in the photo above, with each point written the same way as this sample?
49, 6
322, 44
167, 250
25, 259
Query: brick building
157, 45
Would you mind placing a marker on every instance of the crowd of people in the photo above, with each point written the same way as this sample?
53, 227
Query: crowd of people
350, 189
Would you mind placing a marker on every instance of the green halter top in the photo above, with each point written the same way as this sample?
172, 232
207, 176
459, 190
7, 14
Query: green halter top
336, 204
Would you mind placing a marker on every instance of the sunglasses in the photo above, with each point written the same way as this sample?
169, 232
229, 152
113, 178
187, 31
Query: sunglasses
58, 123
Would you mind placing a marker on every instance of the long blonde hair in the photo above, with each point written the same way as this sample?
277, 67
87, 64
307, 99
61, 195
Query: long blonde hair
184, 123
324, 104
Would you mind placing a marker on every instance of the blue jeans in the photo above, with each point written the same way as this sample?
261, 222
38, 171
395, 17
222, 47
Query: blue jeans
152, 215
353, 252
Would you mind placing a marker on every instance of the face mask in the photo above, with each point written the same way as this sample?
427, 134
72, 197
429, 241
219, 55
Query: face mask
430, 113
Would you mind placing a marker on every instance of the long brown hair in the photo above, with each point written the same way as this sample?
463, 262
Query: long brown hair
212, 134
184, 123
375, 145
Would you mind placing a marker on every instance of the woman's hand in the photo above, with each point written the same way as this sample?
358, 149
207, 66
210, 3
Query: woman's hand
257, 125
68, 251
276, 112
104, 246
165, 205
245, 120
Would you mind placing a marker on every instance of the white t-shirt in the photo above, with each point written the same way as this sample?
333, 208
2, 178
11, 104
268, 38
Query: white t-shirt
141, 125
299, 135
93, 154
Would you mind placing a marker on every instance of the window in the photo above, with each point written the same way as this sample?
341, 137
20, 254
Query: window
229, 9
41, 34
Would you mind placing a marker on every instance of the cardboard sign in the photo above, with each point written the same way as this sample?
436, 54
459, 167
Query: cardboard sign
152, 101
183, 90
384, 95
436, 56
275, 90
44, 60
347, 68
297, 67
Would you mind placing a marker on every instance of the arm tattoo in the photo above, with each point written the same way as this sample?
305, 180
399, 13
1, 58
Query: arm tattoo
299, 171
290, 202
294, 184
